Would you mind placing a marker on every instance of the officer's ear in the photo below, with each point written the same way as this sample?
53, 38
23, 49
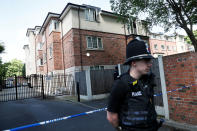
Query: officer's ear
133, 63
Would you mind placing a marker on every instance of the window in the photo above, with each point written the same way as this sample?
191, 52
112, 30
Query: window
39, 62
162, 47
182, 48
43, 38
44, 58
39, 46
154, 36
96, 67
50, 52
181, 39
54, 26
168, 47
90, 14
166, 38
155, 46
174, 48
94, 42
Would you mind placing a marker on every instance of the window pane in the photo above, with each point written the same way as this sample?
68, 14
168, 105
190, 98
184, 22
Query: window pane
51, 26
94, 41
155, 46
89, 42
41, 62
91, 15
50, 51
87, 14
100, 45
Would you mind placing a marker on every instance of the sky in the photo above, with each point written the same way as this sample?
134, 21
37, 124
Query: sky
18, 15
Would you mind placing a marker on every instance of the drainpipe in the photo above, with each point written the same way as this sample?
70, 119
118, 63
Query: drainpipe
35, 53
80, 41
62, 48
46, 50
125, 36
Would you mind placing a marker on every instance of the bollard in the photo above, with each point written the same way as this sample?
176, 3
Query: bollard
16, 87
42, 87
78, 92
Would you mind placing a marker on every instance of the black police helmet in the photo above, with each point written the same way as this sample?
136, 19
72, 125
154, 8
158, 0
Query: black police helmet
135, 50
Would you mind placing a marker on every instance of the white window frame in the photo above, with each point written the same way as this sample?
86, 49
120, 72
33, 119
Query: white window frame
168, 47
88, 13
51, 51
44, 58
92, 44
156, 48
43, 37
163, 46
53, 26
39, 46
174, 48
40, 62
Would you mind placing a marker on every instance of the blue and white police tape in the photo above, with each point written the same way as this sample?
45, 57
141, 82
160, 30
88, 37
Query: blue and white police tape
55, 120
160, 94
81, 114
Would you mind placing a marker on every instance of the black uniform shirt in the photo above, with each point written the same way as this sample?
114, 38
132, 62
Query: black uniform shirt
118, 93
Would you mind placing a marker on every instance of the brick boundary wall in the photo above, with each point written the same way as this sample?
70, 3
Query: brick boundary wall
181, 70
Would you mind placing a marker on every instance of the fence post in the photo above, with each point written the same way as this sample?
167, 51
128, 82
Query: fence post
78, 92
163, 86
42, 87
16, 87
119, 70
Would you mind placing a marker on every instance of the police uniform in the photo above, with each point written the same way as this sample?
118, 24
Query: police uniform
133, 99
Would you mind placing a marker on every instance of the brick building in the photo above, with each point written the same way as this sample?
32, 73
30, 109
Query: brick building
81, 37
165, 45
85, 37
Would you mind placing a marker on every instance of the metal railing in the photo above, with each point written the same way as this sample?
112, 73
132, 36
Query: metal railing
17, 87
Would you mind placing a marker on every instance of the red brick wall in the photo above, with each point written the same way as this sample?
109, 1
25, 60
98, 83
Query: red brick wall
57, 51
180, 70
53, 39
39, 53
68, 45
113, 45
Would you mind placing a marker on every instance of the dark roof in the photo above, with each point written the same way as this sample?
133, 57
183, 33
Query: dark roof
49, 13
69, 5
59, 15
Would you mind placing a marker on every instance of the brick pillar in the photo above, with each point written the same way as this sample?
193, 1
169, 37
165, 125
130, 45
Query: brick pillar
181, 70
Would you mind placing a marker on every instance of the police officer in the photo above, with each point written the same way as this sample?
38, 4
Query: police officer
131, 105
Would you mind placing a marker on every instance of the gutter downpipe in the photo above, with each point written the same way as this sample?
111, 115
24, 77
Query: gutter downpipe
80, 39
63, 52
46, 50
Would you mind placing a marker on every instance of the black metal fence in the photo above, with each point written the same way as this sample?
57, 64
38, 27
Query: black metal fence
17, 87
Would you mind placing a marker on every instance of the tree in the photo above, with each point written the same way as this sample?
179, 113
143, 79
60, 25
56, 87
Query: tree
2, 66
188, 39
15, 68
4, 69
2, 48
165, 13
23, 70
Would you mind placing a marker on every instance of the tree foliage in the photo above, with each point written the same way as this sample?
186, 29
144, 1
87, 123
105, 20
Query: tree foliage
169, 14
14, 68
188, 39
2, 48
